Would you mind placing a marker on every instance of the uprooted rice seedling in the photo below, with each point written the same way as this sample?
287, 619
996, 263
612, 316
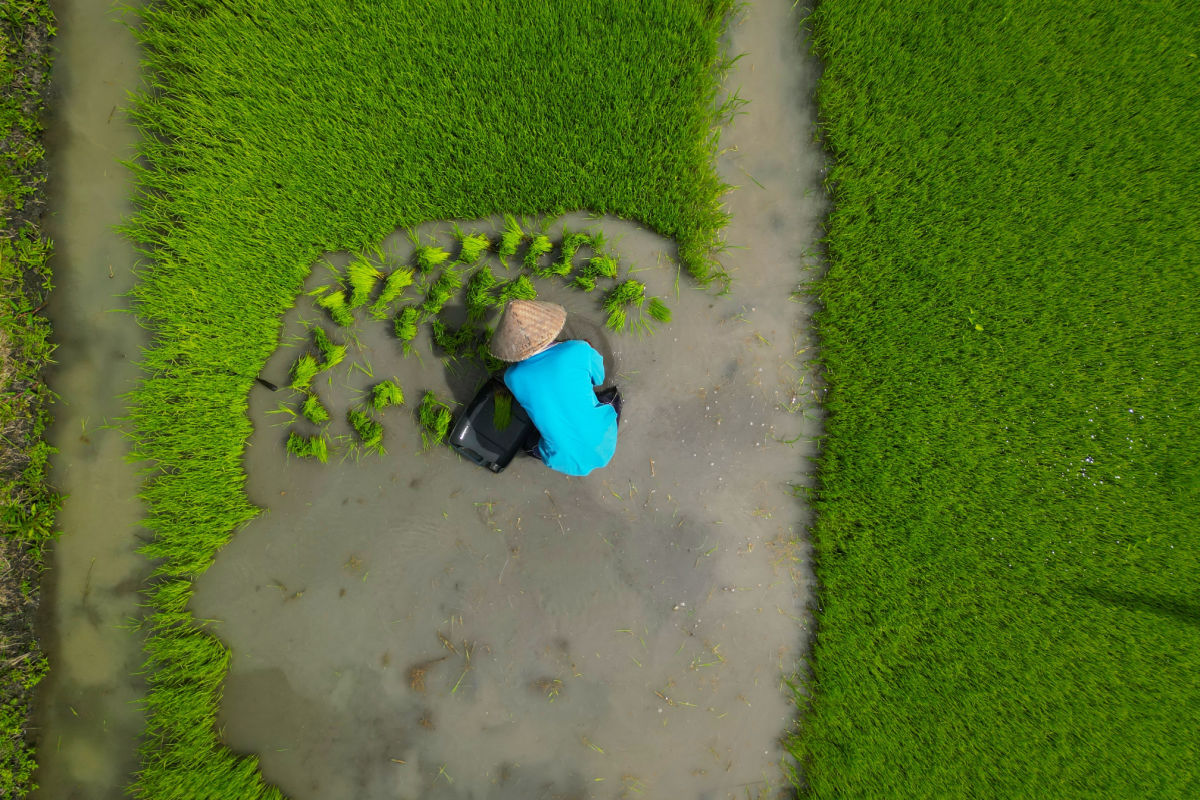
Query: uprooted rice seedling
502, 410
368, 430
308, 446
571, 242
454, 342
519, 288
539, 246
448, 282
658, 310
472, 246
510, 239
619, 299
480, 296
313, 411
394, 285
434, 417
331, 354
430, 257
335, 303
386, 394
407, 323
361, 278
303, 371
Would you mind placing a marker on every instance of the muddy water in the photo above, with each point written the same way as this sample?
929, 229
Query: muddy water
86, 713
410, 625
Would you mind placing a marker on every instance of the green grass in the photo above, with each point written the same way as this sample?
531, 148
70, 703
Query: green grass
1009, 490
28, 503
307, 127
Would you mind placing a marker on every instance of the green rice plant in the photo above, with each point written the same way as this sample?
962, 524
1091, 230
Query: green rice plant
331, 354
502, 410
394, 285
430, 257
616, 319
308, 446
335, 303
520, 288
368, 430
361, 279
510, 239
303, 371
454, 342
385, 395
407, 324
540, 245
658, 310
434, 417
584, 283
480, 296
448, 282
619, 299
313, 411
571, 242
472, 247
603, 266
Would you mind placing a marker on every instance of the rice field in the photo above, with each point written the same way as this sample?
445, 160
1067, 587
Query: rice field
322, 128
1009, 487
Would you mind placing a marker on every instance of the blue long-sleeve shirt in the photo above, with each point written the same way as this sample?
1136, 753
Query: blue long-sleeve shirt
579, 434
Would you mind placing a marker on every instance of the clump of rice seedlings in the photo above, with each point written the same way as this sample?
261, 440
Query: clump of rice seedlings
308, 446
482, 354
598, 267
406, 326
521, 288
369, 431
386, 394
331, 354
429, 257
335, 304
658, 310
479, 293
361, 278
313, 411
397, 281
510, 238
434, 418
571, 243
454, 342
303, 372
539, 246
445, 287
472, 246
628, 293
502, 410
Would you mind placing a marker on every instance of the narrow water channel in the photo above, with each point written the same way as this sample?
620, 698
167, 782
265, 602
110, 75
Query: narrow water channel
87, 714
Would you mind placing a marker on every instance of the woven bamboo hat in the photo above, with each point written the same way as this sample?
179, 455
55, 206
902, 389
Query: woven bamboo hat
527, 328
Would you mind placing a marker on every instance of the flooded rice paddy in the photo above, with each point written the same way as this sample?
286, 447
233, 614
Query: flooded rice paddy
410, 625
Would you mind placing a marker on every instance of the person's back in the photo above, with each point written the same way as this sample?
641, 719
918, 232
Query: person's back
555, 387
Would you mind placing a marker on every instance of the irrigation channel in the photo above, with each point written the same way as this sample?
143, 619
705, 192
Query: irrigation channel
410, 625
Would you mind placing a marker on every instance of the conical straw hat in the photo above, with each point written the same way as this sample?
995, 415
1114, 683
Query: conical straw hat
526, 328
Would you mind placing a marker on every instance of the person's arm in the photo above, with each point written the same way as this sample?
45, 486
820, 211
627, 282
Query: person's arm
595, 365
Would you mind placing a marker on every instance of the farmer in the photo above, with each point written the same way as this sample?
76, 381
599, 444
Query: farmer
554, 382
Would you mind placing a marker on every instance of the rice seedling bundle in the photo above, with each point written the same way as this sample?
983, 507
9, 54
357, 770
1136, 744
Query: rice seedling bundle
308, 446
434, 417
510, 238
407, 322
658, 310
313, 411
480, 296
520, 288
618, 300
386, 394
430, 257
472, 247
361, 278
335, 303
502, 410
303, 371
448, 282
331, 354
571, 242
540, 245
454, 342
598, 266
368, 430
394, 285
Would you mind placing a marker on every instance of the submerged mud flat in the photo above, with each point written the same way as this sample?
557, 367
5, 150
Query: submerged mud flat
412, 625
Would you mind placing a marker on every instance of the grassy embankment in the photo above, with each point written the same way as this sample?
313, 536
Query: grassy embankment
1010, 488
277, 133
27, 504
